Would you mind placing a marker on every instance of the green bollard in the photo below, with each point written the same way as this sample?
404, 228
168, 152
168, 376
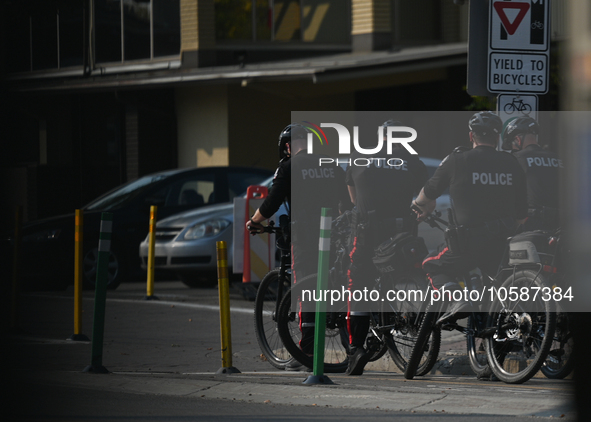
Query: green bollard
318, 376
100, 296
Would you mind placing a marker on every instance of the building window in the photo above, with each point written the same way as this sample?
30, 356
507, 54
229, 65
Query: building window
71, 33
129, 30
287, 18
243, 19
107, 32
166, 26
43, 34
49, 34
319, 21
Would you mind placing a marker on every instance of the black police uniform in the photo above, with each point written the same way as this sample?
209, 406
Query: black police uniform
488, 193
541, 170
383, 197
308, 187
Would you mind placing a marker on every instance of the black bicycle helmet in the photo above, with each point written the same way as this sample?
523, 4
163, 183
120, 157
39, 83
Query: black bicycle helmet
382, 129
518, 126
391, 123
293, 130
485, 123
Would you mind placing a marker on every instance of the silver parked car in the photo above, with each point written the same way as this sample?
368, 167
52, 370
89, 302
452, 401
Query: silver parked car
186, 242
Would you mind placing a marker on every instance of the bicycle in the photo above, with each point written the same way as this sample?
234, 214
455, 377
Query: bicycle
517, 105
270, 291
516, 339
393, 328
559, 363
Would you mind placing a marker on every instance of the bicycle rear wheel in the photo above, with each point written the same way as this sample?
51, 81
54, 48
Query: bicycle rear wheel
524, 331
265, 320
336, 335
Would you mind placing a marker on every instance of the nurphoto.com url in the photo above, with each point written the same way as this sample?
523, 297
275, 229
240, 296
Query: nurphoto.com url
502, 294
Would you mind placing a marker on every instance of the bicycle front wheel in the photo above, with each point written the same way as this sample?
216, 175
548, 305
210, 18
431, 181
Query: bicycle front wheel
289, 326
401, 321
559, 362
476, 350
524, 327
422, 355
265, 319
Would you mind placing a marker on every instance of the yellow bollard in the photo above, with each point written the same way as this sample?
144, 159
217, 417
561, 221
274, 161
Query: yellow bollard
225, 325
15, 268
151, 252
78, 280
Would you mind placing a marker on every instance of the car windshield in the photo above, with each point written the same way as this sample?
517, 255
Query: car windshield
123, 195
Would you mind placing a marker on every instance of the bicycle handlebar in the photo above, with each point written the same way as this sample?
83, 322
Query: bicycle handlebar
432, 219
266, 229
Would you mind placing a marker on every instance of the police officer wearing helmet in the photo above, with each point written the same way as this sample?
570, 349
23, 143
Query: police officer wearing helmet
307, 187
382, 193
488, 194
541, 168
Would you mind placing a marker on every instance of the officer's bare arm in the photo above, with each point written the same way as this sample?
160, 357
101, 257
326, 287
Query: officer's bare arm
352, 194
425, 204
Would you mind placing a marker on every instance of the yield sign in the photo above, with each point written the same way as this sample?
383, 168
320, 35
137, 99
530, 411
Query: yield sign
501, 8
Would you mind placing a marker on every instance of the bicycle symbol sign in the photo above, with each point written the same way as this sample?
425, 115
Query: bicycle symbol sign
517, 105
511, 105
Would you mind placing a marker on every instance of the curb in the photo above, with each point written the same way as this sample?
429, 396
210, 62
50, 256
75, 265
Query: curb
451, 364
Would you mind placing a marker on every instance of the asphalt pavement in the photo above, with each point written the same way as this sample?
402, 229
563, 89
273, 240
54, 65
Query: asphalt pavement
170, 348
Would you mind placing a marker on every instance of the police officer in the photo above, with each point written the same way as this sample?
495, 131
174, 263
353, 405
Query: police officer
307, 186
382, 192
488, 194
541, 167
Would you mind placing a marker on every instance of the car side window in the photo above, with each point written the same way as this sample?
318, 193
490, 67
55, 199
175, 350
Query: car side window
238, 182
192, 192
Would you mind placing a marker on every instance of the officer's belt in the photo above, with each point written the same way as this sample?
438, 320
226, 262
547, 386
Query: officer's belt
543, 212
502, 227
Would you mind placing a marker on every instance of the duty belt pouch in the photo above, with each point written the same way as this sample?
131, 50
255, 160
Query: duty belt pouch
400, 253
456, 239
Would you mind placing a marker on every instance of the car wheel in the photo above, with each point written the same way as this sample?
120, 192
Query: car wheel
197, 280
115, 269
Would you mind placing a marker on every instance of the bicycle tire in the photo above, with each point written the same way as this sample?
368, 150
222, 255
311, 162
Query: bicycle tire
519, 347
426, 328
264, 320
401, 322
559, 362
336, 340
477, 352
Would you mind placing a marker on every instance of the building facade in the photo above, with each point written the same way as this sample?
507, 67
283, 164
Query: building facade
100, 92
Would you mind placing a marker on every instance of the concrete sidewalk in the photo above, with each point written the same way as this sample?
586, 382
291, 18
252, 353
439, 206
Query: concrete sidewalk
171, 347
